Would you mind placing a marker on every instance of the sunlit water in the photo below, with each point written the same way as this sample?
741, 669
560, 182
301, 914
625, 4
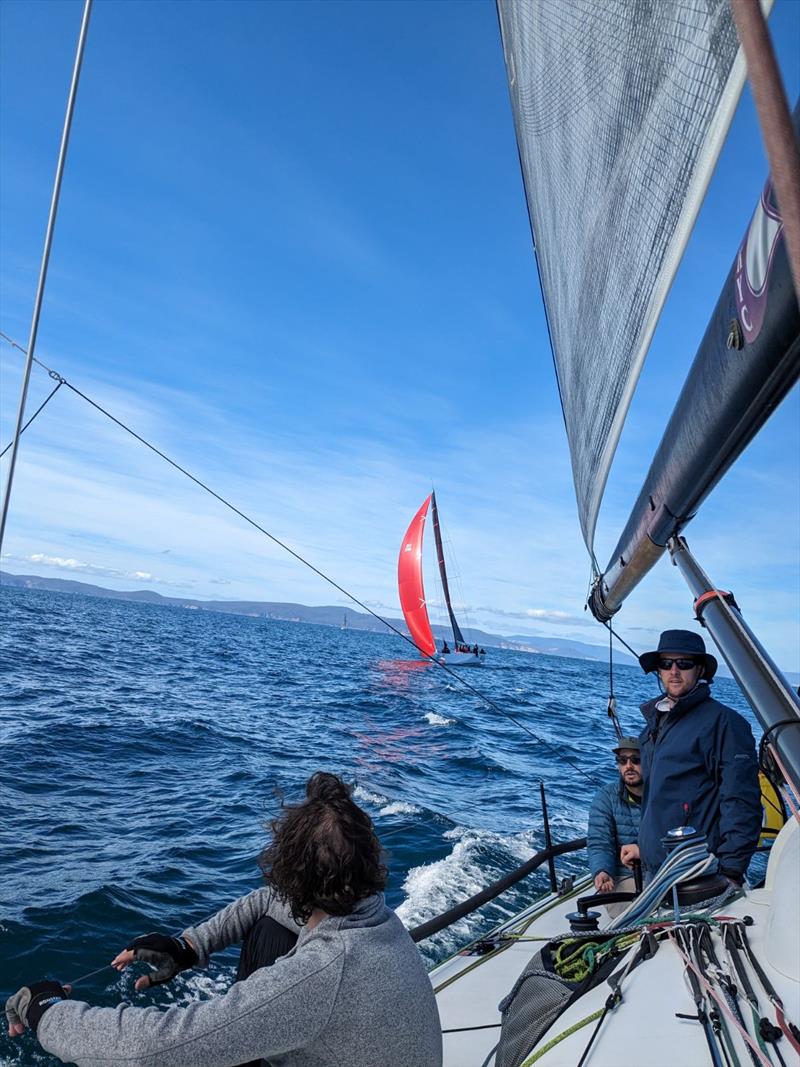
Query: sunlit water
144, 748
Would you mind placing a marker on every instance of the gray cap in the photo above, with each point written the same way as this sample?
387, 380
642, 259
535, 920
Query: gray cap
627, 742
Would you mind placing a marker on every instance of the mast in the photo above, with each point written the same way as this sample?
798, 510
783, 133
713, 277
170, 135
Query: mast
48, 242
458, 637
776, 705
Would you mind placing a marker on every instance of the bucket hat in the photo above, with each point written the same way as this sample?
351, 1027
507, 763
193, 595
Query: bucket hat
681, 643
627, 742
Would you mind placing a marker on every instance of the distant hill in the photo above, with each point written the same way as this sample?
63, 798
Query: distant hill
325, 616
334, 616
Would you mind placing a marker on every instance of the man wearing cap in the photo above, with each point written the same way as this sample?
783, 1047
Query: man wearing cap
614, 822
698, 761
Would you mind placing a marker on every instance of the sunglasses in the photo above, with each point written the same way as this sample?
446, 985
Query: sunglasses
635, 760
681, 664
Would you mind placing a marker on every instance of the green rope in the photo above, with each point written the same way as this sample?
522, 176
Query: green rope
576, 959
757, 1031
523, 937
564, 1034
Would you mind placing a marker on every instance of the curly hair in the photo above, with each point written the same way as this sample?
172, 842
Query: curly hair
324, 852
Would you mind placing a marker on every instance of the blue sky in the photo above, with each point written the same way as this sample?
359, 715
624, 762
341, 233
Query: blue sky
293, 251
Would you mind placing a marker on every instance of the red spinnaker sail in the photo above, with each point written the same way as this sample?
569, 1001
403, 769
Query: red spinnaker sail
409, 582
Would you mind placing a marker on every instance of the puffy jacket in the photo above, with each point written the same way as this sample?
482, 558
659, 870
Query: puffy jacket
699, 767
352, 991
613, 822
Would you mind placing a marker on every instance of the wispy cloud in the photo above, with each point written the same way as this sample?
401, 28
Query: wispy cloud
76, 566
82, 483
535, 615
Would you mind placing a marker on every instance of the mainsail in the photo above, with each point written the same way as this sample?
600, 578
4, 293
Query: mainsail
409, 583
747, 362
620, 109
458, 637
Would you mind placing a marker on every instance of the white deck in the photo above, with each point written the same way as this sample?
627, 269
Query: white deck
643, 1030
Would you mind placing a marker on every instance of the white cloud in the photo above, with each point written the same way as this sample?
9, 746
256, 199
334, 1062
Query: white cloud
536, 614
41, 559
344, 504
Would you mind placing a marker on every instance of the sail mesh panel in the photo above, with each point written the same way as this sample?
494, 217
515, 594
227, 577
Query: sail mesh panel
621, 107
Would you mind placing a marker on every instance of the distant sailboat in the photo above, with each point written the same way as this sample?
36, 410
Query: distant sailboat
412, 593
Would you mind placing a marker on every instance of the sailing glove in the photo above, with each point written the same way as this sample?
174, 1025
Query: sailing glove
29, 1004
169, 955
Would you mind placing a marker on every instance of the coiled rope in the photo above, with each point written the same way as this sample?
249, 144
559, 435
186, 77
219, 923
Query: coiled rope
687, 861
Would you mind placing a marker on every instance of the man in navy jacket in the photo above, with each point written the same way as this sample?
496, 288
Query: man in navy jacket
698, 761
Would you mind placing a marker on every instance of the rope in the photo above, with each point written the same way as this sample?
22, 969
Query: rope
791, 789
686, 861
762, 1059
91, 974
612, 700
610, 664
537, 1055
615, 997
463, 1029
307, 563
788, 1028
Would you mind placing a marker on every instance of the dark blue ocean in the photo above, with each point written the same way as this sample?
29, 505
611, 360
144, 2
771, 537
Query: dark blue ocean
144, 748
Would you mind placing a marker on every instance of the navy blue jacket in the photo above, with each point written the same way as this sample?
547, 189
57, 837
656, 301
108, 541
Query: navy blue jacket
703, 755
613, 822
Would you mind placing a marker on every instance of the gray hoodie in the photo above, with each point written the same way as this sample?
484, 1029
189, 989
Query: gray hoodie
353, 992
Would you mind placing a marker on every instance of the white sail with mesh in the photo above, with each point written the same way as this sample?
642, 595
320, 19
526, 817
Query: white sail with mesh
621, 108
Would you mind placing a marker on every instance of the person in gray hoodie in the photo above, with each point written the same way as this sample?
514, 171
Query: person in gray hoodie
351, 992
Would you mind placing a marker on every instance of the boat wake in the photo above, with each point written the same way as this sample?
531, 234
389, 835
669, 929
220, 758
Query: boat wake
478, 858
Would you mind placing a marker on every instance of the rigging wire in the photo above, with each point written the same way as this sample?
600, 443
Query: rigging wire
611, 630
41, 407
292, 552
612, 700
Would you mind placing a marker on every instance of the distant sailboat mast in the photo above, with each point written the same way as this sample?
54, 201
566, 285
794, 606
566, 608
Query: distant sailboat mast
458, 637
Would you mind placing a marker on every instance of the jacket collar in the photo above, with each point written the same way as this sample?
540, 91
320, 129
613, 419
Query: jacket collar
624, 793
685, 704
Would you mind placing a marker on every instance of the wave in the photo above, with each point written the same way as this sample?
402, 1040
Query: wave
400, 807
364, 796
435, 719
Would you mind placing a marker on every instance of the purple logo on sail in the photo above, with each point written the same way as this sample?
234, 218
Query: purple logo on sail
754, 263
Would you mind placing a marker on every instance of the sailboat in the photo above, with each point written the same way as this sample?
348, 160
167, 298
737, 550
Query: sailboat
745, 365
620, 111
412, 593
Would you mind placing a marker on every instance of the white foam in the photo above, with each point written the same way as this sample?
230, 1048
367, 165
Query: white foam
438, 720
520, 846
363, 796
435, 887
199, 987
400, 807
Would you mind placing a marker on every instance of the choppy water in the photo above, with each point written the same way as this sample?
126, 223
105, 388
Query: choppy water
142, 747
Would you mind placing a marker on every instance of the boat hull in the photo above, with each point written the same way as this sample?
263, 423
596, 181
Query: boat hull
470, 985
461, 659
